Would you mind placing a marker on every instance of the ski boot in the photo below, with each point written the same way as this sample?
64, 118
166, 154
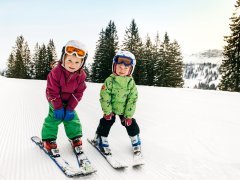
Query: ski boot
136, 144
77, 145
102, 143
51, 148
138, 159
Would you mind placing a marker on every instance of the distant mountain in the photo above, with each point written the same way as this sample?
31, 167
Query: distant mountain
201, 70
207, 56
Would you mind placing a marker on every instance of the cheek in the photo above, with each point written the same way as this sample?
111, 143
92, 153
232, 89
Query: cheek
68, 63
78, 65
118, 68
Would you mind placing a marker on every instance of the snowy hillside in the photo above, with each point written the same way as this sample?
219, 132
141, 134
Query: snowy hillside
213, 56
201, 70
186, 134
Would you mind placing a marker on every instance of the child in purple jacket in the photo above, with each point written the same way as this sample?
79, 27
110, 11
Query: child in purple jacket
65, 87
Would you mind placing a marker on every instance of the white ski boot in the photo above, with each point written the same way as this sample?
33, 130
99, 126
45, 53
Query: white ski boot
102, 143
137, 152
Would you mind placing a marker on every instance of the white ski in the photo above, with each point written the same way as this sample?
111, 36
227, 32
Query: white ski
110, 158
138, 159
83, 162
59, 161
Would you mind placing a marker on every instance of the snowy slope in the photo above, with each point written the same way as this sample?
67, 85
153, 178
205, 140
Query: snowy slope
186, 134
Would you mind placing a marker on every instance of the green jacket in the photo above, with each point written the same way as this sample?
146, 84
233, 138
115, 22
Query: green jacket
119, 95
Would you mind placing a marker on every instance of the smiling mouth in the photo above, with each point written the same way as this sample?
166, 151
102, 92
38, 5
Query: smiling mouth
71, 68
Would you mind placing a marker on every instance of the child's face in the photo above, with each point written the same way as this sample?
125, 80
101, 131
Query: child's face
122, 70
72, 63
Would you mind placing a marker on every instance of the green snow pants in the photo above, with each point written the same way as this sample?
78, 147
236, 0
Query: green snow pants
72, 128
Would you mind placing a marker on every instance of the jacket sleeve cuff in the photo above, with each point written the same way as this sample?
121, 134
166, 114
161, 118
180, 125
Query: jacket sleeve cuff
57, 105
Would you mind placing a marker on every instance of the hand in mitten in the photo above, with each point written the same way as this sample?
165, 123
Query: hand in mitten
108, 117
69, 115
127, 121
59, 113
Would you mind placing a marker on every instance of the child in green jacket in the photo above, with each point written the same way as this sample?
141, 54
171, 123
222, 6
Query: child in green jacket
118, 96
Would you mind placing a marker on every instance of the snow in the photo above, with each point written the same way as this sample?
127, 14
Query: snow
199, 60
197, 74
186, 134
201, 70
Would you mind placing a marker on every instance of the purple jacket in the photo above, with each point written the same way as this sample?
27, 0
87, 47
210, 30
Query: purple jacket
65, 87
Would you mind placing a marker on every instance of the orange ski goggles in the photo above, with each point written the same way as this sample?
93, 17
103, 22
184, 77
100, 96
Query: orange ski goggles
70, 50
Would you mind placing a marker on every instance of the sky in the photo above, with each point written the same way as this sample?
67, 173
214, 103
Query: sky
196, 25
185, 133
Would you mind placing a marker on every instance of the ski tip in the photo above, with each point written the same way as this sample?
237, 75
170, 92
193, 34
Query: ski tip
120, 167
36, 139
138, 164
89, 140
33, 137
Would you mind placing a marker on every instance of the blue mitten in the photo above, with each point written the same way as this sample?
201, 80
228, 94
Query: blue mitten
59, 113
69, 115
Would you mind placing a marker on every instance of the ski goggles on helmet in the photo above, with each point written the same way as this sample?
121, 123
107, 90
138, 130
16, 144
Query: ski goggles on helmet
70, 50
123, 60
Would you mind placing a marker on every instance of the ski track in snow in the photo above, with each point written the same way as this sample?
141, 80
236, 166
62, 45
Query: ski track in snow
186, 134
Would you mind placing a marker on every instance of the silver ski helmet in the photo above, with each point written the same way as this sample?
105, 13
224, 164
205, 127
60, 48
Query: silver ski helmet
124, 54
74, 47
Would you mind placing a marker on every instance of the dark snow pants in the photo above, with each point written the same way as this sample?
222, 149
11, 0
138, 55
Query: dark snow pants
105, 126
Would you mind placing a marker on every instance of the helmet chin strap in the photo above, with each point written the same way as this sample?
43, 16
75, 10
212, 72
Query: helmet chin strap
63, 61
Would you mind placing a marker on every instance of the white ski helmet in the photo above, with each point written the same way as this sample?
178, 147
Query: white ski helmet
78, 45
124, 54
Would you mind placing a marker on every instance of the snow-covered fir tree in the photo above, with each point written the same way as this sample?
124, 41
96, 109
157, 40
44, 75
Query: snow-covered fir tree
35, 57
98, 59
43, 57
133, 43
230, 68
147, 76
19, 62
105, 50
157, 56
168, 66
175, 78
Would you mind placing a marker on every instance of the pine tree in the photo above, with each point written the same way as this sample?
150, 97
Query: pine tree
176, 70
51, 57
11, 66
19, 60
165, 64
51, 51
105, 51
43, 57
158, 56
230, 67
35, 59
133, 43
19, 69
87, 69
147, 77
42, 64
98, 59
27, 62
168, 65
